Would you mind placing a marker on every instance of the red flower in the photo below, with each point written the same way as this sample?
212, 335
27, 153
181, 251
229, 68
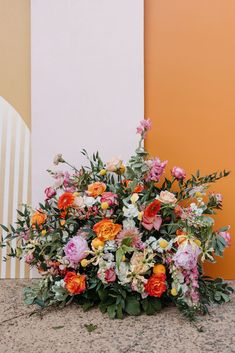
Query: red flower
150, 218
152, 209
156, 285
66, 200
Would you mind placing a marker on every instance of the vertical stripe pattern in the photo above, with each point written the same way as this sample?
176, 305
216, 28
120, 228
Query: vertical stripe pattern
14, 179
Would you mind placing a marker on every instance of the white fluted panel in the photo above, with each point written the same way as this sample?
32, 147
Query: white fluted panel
14, 178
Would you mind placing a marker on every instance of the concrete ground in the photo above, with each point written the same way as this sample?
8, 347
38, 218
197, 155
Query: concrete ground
66, 331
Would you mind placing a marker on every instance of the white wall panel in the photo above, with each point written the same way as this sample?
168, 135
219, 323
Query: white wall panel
87, 80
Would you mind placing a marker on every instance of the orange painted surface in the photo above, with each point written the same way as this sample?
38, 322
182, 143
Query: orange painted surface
190, 95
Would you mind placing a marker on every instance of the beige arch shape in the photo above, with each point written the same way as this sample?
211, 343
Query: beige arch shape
14, 178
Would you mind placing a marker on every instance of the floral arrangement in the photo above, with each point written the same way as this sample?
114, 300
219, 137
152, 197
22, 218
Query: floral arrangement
123, 237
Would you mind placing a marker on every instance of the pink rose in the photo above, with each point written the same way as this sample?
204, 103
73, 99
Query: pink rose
167, 197
227, 237
109, 197
110, 275
76, 250
152, 222
49, 192
178, 173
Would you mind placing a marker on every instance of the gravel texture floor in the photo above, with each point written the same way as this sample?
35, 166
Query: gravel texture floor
65, 331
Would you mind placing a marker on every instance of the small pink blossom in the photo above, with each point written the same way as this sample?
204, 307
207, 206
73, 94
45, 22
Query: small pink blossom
145, 125
25, 234
76, 250
109, 197
178, 173
227, 237
156, 169
110, 275
29, 258
152, 222
50, 192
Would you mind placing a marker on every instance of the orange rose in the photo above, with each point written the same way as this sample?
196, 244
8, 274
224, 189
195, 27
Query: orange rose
65, 200
38, 218
106, 229
75, 283
152, 209
96, 189
156, 285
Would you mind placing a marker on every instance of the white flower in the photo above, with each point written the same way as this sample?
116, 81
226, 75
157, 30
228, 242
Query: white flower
152, 242
195, 209
128, 223
110, 245
89, 201
163, 245
58, 159
122, 272
79, 202
131, 211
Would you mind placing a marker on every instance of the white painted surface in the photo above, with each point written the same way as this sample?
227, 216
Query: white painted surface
87, 80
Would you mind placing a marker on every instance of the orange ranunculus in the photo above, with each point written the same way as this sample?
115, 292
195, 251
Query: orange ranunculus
38, 218
65, 200
156, 285
96, 189
138, 187
152, 209
106, 229
75, 283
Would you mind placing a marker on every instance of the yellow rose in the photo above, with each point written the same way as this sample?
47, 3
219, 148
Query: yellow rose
104, 205
97, 243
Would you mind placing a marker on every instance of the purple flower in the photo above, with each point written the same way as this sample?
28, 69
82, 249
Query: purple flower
76, 250
178, 173
157, 168
186, 256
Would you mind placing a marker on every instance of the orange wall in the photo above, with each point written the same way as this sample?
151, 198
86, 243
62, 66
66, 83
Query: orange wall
190, 94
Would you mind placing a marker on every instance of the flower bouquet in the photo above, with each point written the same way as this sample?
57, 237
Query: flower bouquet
123, 237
